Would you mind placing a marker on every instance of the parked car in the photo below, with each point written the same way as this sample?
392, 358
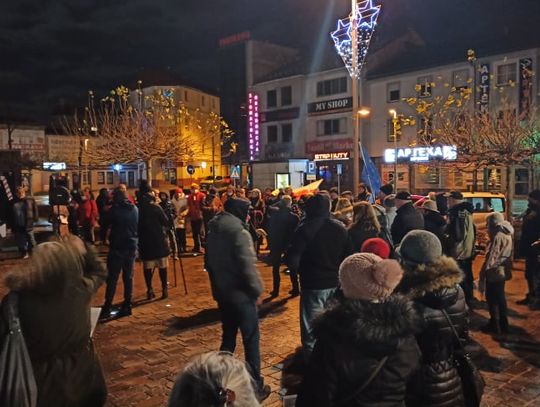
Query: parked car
484, 203
219, 183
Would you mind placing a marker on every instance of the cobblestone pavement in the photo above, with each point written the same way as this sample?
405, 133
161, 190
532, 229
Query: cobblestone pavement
142, 354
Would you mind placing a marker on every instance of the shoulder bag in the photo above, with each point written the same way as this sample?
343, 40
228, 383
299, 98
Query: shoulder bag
357, 392
17, 383
471, 379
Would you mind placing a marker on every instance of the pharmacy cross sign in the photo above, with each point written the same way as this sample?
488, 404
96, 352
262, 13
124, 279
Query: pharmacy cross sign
366, 17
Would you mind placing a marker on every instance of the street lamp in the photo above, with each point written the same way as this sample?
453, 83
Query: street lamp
395, 122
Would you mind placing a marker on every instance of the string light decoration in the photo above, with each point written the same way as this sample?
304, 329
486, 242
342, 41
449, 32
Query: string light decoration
366, 17
253, 119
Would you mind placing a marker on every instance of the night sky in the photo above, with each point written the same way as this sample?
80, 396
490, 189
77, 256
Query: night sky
53, 51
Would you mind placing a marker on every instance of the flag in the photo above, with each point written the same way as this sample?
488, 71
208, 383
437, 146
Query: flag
307, 189
370, 175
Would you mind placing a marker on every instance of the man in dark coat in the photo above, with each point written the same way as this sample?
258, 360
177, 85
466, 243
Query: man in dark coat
407, 217
281, 226
530, 233
154, 247
122, 218
461, 239
432, 282
434, 222
24, 215
236, 284
317, 249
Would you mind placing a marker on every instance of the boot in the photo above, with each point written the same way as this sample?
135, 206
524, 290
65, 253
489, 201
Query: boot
125, 310
275, 283
148, 280
295, 287
163, 278
493, 325
525, 301
105, 311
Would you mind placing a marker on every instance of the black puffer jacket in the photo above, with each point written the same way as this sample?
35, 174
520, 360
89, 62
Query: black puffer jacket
435, 223
434, 288
352, 337
152, 230
530, 231
407, 219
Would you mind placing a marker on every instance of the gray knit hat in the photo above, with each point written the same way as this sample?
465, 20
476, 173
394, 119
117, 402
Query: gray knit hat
419, 247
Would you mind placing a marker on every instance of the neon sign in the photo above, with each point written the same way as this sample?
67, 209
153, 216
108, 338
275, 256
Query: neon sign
253, 123
421, 154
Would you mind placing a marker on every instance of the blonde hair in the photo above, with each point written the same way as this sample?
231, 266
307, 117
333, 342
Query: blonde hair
202, 380
364, 213
343, 203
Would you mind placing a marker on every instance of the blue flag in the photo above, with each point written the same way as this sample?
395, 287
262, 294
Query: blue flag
370, 175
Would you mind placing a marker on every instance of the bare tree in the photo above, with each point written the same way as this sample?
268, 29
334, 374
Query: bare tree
130, 127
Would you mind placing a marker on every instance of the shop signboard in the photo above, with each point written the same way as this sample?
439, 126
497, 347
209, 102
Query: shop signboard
483, 92
421, 154
332, 156
279, 115
329, 146
330, 106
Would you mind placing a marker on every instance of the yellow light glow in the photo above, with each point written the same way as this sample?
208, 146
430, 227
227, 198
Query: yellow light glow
364, 112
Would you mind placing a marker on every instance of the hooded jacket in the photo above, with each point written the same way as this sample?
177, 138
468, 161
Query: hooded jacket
55, 291
433, 288
230, 257
498, 261
407, 219
281, 227
318, 246
461, 231
123, 219
352, 337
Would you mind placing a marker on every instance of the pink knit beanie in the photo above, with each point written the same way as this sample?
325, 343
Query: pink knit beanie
365, 276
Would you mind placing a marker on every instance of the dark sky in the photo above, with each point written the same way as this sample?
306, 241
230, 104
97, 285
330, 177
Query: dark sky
53, 50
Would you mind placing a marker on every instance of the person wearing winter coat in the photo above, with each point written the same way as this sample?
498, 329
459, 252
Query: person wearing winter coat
407, 217
530, 233
195, 203
87, 214
389, 204
123, 219
496, 269
154, 248
434, 222
344, 211
210, 206
461, 239
236, 284
55, 290
179, 202
25, 214
365, 226
367, 334
170, 212
318, 247
281, 227
103, 203
432, 281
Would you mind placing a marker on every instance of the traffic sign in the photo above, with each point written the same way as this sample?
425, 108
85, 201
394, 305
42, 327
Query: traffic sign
190, 169
235, 171
339, 169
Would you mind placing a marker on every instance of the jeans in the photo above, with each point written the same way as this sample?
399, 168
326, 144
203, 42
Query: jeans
196, 226
496, 300
468, 281
119, 261
244, 316
312, 303
532, 275
276, 265
25, 240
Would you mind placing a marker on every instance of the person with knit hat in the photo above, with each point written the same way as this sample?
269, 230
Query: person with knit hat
318, 247
496, 269
432, 281
407, 217
366, 349
434, 222
377, 246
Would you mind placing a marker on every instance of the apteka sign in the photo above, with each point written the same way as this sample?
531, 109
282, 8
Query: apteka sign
421, 154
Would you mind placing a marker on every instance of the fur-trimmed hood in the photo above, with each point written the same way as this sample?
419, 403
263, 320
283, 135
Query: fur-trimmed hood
362, 323
424, 279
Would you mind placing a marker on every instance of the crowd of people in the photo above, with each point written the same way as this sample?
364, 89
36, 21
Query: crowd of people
385, 285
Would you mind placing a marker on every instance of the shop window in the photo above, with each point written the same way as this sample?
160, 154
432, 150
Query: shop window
460, 79
286, 96
433, 176
272, 134
331, 127
424, 86
521, 181
458, 179
286, 133
283, 180
123, 177
332, 86
390, 131
203, 101
393, 92
101, 178
506, 74
271, 98
110, 177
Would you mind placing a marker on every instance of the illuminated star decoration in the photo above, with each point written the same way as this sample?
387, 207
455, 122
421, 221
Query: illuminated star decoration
366, 18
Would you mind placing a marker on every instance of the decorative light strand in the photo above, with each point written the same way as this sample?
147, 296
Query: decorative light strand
253, 123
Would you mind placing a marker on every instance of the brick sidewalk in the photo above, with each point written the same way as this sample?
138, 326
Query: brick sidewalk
142, 354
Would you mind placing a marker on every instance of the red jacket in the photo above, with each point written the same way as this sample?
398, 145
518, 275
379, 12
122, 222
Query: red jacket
195, 205
87, 213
